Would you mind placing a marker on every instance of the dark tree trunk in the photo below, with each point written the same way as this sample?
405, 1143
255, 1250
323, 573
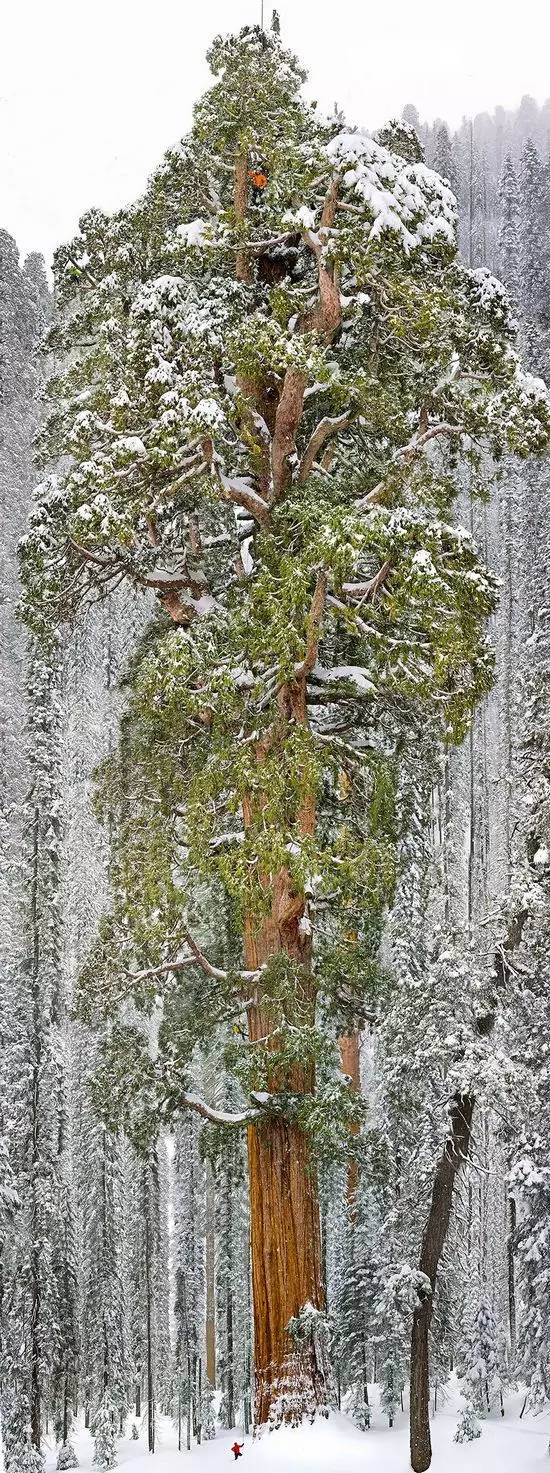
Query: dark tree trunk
455, 1152
199, 1401
66, 1409
35, 1315
150, 1371
229, 1331
210, 1276
512, 1219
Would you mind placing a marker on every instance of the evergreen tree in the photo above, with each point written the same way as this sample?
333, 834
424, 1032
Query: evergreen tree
509, 237
264, 449
104, 1428
443, 157
534, 255
482, 1372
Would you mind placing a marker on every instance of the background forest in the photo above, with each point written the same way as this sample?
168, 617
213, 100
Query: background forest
125, 1288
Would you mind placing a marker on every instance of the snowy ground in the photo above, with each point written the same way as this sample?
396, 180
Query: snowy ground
505, 1446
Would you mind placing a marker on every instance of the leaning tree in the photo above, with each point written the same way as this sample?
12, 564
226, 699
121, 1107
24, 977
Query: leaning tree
273, 365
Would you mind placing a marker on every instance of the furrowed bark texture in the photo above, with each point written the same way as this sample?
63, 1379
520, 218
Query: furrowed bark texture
433, 1241
284, 1207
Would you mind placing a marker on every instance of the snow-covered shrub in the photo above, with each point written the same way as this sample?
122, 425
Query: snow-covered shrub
207, 1412
104, 1431
67, 1457
468, 1427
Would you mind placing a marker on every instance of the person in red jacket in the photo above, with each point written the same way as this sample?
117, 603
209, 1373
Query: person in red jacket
236, 1449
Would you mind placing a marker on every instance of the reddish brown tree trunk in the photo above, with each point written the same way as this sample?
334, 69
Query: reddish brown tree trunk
435, 1232
286, 1270
284, 1205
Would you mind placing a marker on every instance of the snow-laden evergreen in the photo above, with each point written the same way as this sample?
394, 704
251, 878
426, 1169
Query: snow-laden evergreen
126, 1289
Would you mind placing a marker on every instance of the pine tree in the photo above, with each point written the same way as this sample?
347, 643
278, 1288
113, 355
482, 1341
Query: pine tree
444, 161
265, 450
482, 1372
468, 1428
509, 237
104, 1432
106, 1366
534, 255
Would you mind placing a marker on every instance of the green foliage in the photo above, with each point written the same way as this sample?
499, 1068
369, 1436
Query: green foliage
230, 452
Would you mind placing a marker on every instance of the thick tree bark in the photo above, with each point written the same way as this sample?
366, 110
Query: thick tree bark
284, 1208
229, 1338
286, 1268
435, 1232
284, 1205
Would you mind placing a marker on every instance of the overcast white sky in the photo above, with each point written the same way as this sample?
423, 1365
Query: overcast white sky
92, 93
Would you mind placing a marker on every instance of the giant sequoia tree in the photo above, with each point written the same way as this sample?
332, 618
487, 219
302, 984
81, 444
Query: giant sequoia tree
275, 363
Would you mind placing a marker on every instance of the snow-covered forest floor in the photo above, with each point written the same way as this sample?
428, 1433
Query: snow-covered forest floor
506, 1445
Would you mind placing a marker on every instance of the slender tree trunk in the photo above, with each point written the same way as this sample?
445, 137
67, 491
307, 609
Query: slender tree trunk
149, 1295
350, 1063
210, 1275
243, 269
199, 1401
230, 1349
189, 1401
35, 1382
435, 1232
65, 1437
512, 1220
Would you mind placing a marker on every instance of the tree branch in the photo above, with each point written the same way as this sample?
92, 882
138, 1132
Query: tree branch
236, 490
316, 612
366, 592
218, 1117
324, 431
326, 316
287, 419
408, 453
196, 959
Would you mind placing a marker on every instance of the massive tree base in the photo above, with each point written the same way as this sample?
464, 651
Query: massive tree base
291, 1380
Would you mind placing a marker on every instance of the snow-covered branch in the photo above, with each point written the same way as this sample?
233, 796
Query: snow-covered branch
408, 453
219, 1117
325, 430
